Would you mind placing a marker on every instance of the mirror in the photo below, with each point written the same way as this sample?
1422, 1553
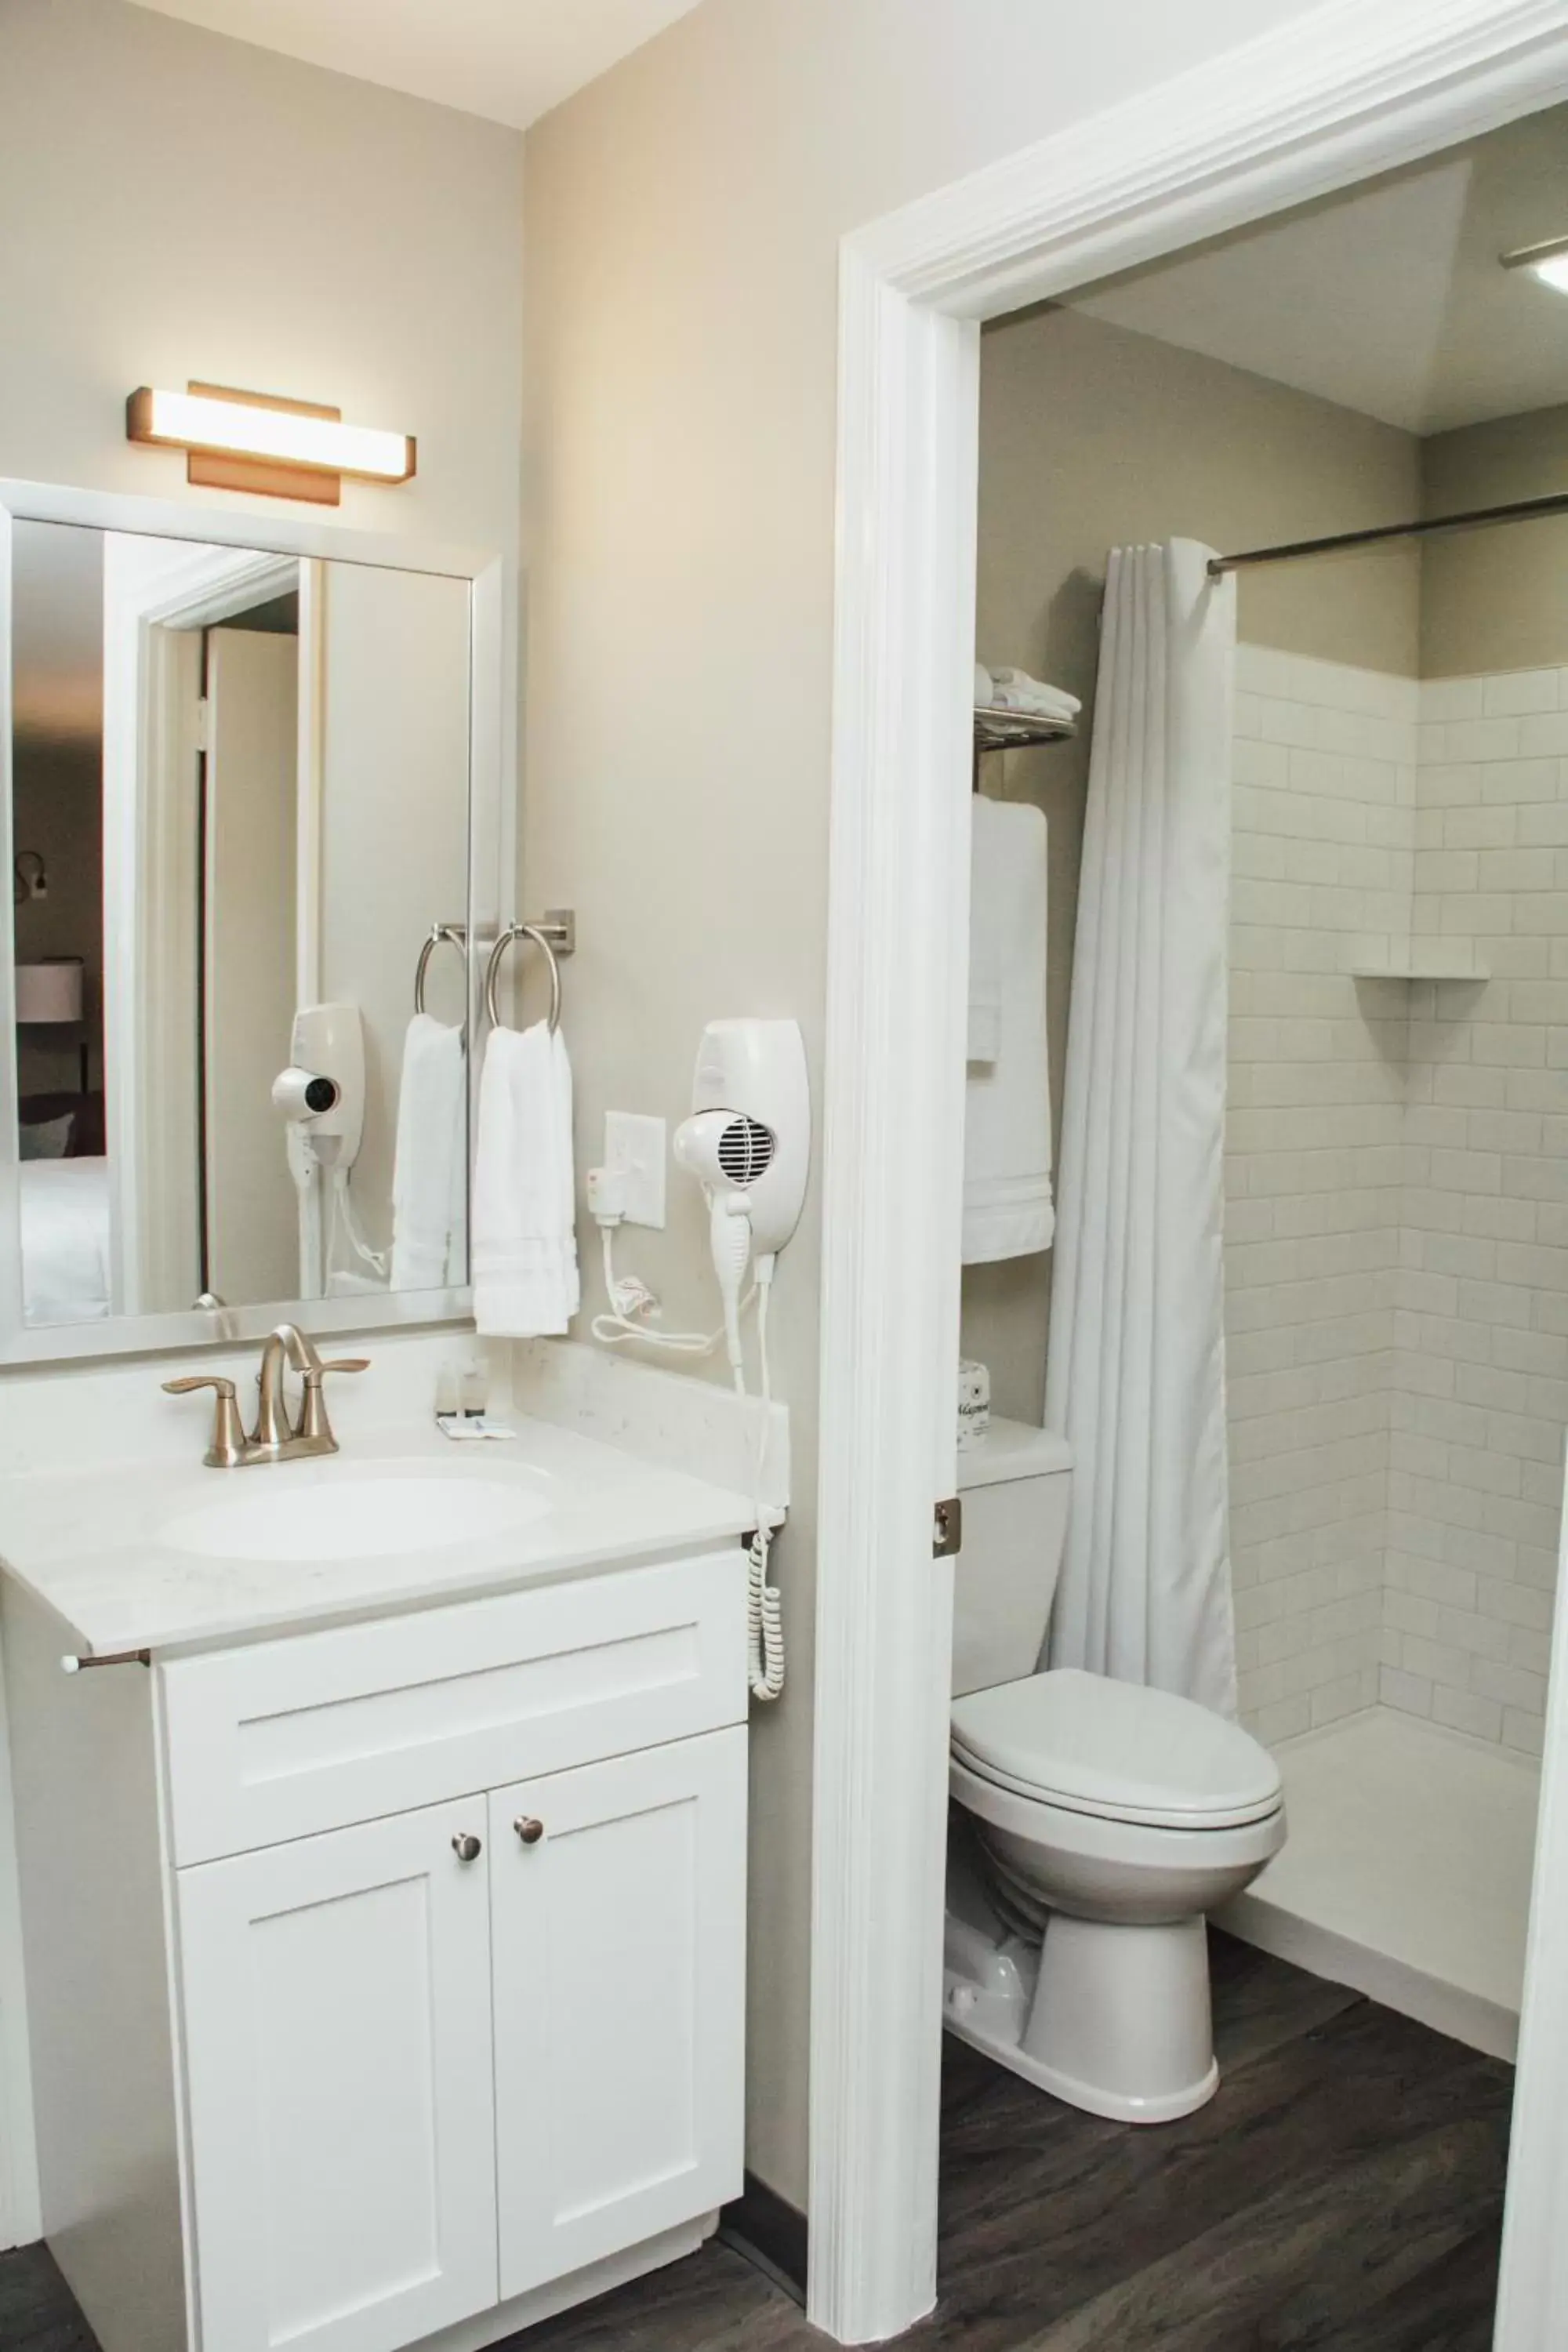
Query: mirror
239, 804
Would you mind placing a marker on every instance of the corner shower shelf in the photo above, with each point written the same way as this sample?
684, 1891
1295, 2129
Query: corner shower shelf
1438, 961
1014, 731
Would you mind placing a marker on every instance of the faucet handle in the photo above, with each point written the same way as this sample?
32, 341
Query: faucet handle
227, 1451
313, 1422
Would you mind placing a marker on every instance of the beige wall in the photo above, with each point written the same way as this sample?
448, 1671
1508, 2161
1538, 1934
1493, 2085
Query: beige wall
1091, 436
1495, 600
685, 214
174, 204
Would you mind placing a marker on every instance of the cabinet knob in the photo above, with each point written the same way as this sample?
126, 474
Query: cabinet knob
528, 1829
466, 1846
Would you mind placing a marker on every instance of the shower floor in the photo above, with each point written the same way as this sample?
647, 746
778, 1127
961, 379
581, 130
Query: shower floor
1407, 1873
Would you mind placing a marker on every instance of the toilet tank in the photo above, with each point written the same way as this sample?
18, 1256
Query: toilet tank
1015, 1482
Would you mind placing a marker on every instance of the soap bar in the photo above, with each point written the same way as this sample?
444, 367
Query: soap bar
461, 1425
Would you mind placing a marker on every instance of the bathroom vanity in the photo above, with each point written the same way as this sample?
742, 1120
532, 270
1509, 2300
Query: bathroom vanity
380, 1869
384, 1921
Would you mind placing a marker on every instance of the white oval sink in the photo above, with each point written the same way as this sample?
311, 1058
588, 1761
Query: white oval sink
356, 1519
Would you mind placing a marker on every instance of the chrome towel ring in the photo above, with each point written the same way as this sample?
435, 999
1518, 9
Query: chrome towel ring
556, 933
453, 933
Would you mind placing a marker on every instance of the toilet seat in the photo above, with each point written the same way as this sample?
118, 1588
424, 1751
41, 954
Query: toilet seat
1117, 1751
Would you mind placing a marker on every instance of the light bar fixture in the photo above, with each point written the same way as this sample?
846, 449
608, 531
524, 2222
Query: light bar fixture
249, 441
1547, 261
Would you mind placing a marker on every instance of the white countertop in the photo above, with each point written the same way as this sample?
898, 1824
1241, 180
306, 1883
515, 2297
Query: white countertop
88, 1545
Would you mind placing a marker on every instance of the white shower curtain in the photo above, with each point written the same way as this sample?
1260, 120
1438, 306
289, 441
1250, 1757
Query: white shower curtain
1136, 1364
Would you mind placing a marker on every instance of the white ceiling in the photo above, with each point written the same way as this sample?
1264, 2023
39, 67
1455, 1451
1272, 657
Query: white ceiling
509, 59
1388, 300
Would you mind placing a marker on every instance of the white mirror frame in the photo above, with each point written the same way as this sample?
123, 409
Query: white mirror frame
492, 840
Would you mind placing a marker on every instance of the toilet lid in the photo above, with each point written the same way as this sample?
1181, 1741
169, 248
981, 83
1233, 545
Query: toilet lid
1117, 1749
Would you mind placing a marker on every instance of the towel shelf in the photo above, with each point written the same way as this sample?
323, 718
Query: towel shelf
555, 932
440, 934
1014, 731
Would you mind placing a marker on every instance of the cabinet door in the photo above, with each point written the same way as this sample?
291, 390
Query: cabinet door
340, 2086
619, 1952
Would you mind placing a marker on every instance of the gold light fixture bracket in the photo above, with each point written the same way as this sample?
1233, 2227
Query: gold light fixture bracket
265, 452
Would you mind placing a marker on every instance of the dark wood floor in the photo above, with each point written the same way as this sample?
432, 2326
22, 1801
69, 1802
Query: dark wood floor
1343, 2193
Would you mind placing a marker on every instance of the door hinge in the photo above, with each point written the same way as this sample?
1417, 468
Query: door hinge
947, 1536
203, 725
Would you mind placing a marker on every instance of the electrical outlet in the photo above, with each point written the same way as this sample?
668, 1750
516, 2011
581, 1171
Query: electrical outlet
637, 1149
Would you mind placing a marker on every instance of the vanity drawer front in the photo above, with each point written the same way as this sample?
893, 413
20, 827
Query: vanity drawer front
293, 1736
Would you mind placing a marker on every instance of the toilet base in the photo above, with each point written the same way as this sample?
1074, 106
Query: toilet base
1109, 2018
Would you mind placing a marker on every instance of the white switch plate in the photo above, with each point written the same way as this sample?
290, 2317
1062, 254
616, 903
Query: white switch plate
639, 1147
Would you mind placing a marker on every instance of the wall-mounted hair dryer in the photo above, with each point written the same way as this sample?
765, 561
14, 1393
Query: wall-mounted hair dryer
748, 1143
322, 1092
321, 1096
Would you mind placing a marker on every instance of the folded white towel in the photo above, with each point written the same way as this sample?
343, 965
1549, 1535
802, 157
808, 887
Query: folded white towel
525, 1242
430, 1172
1007, 1205
1015, 689
982, 687
987, 886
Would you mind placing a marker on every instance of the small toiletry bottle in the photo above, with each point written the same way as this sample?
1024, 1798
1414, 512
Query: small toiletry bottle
973, 1403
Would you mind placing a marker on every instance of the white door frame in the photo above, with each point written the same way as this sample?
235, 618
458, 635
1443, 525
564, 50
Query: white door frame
1351, 88
144, 855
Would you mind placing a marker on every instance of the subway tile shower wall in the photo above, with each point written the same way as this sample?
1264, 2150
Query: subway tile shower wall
1396, 1248
1323, 849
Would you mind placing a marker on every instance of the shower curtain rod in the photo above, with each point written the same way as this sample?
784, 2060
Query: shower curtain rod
1522, 510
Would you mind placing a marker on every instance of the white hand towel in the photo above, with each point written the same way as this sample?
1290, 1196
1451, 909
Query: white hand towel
982, 689
1007, 1205
1015, 689
430, 1172
525, 1244
988, 847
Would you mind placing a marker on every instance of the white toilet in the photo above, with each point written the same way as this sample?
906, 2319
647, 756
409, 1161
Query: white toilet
1109, 1817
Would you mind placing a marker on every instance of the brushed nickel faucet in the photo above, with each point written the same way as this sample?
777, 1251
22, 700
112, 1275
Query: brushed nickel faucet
275, 1438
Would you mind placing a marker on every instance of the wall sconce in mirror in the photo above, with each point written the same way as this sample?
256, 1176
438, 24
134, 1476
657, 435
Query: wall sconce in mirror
250, 441
29, 877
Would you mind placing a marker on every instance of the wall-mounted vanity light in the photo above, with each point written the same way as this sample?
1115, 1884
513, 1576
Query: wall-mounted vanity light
248, 441
1548, 261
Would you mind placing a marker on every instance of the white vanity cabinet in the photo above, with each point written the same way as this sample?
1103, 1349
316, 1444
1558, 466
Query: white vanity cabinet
619, 2011
335, 2031
447, 1910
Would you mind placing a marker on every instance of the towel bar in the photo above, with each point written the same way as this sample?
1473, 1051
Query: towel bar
458, 937
556, 933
